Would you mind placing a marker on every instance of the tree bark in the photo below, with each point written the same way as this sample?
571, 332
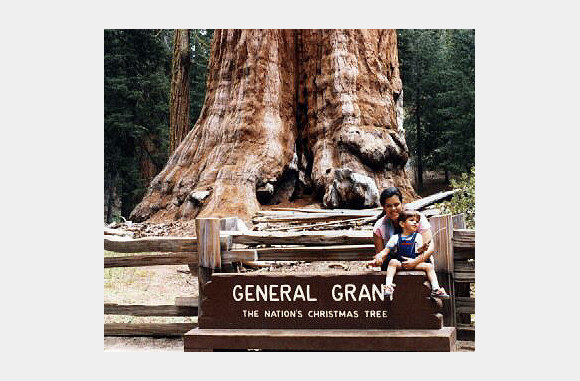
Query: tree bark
148, 148
351, 86
285, 108
419, 147
179, 98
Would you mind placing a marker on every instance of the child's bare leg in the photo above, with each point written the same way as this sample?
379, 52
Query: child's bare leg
391, 270
431, 275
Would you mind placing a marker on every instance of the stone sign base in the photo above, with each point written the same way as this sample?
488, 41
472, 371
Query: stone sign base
424, 340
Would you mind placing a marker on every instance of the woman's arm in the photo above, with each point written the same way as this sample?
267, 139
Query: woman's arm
378, 241
380, 249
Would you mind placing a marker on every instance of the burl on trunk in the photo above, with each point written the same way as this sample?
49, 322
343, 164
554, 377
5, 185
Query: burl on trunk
287, 112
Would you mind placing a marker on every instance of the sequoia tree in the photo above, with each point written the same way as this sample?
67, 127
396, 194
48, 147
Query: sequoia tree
287, 112
179, 97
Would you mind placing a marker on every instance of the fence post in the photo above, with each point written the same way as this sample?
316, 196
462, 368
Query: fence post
462, 289
442, 229
209, 253
459, 221
232, 224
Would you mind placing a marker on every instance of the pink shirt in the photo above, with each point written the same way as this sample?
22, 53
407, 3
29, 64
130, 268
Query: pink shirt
385, 229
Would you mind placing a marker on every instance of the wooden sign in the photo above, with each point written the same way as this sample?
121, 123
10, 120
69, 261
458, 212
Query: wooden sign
318, 301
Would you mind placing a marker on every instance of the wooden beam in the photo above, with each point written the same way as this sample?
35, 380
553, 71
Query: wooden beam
466, 327
148, 329
232, 223
151, 260
312, 217
464, 266
209, 253
429, 200
151, 244
464, 234
186, 301
439, 340
313, 253
442, 229
117, 232
467, 277
175, 259
239, 255
301, 211
337, 224
208, 243
465, 305
465, 309
329, 237
149, 310
463, 239
465, 332
463, 245
459, 221
158, 244
462, 252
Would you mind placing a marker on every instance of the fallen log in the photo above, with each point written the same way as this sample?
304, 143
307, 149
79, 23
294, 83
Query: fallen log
335, 224
117, 232
430, 200
313, 217
306, 212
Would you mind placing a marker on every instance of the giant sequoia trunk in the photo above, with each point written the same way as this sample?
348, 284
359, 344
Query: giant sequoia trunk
286, 112
179, 97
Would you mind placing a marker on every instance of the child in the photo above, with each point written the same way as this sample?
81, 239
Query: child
406, 244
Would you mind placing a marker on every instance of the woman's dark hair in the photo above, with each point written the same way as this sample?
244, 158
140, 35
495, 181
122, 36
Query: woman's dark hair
389, 192
386, 193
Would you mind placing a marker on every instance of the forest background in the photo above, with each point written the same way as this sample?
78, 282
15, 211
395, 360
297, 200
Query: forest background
437, 70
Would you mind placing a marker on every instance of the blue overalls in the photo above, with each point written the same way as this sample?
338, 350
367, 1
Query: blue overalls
405, 248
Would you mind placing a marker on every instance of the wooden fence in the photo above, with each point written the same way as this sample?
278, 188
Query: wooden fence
455, 254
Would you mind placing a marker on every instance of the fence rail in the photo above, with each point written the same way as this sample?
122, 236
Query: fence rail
455, 254
149, 310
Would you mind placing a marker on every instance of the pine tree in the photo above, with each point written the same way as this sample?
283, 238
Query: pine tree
136, 114
438, 73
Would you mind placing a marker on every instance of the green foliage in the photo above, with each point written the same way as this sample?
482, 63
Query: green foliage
200, 40
136, 64
464, 200
438, 73
137, 85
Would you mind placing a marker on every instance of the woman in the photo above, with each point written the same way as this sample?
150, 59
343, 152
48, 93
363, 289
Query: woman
392, 202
